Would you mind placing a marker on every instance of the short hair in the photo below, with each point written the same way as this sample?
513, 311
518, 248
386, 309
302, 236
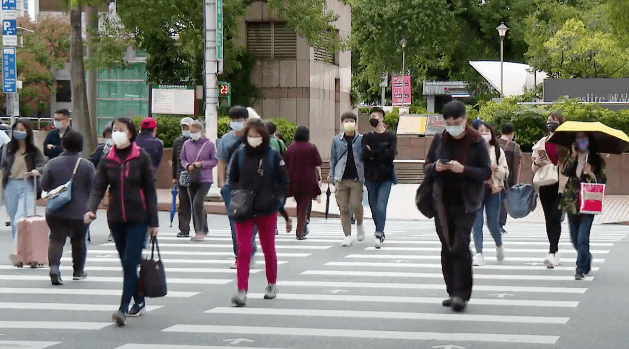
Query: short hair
130, 127
238, 112
377, 110
72, 141
108, 129
271, 126
506, 128
557, 115
302, 134
64, 112
349, 115
260, 127
454, 109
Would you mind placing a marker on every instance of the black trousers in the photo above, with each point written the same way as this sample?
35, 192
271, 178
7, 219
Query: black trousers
550, 197
456, 262
184, 214
60, 230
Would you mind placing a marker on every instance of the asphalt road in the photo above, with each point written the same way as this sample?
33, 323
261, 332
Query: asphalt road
329, 296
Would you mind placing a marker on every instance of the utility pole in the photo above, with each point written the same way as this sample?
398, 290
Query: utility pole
213, 15
384, 77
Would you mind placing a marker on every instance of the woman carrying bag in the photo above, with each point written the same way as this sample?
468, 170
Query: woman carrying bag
584, 165
547, 159
259, 182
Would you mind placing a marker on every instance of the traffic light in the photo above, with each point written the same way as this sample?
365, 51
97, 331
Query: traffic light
224, 94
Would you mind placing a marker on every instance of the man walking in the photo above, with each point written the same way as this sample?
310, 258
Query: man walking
458, 163
379, 152
184, 211
151, 144
513, 154
52, 143
347, 172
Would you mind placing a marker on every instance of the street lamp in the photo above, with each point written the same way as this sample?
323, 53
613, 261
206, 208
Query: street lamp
502, 31
403, 43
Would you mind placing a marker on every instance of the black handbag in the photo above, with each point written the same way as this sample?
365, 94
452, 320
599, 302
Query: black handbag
191, 177
242, 200
152, 274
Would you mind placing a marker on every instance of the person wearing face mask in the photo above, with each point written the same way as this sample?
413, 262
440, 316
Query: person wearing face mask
103, 149
127, 173
491, 198
584, 165
513, 153
184, 211
347, 173
22, 160
548, 159
379, 152
147, 141
227, 145
52, 143
457, 165
259, 169
199, 155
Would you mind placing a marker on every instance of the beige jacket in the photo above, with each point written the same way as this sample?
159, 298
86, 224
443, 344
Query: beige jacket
498, 178
539, 155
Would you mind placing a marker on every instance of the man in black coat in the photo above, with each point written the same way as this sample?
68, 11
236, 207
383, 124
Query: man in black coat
151, 144
458, 163
52, 143
184, 211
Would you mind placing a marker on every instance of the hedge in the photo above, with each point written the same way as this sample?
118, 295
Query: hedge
529, 120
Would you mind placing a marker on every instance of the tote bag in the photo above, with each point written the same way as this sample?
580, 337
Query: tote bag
152, 274
546, 175
591, 198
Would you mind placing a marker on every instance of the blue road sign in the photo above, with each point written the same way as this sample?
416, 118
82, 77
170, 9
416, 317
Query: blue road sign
9, 70
9, 27
9, 5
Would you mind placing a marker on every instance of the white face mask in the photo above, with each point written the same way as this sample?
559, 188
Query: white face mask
58, 124
195, 136
120, 138
455, 130
487, 137
109, 142
254, 142
349, 126
185, 133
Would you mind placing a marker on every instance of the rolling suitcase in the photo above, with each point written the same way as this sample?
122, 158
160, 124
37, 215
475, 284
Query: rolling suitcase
32, 237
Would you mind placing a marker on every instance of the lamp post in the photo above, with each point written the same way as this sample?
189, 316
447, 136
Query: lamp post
502, 31
403, 43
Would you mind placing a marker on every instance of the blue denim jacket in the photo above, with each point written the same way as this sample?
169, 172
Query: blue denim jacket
338, 157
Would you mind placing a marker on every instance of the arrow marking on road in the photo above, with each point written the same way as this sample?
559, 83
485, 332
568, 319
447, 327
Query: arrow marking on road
236, 341
501, 295
337, 291
449, 346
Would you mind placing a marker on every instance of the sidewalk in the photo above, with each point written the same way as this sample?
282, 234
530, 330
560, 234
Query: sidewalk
402, 206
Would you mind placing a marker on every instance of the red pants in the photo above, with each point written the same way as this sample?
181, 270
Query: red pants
266, 232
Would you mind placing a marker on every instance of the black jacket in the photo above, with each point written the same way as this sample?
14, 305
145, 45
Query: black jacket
132, 190
153, 146
34, 161
176, 160
379, 152
270, 188
54, 138
477, 167
98, 155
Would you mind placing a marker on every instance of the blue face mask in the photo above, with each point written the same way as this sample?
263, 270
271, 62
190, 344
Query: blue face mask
583, 144
19, 135
237, 125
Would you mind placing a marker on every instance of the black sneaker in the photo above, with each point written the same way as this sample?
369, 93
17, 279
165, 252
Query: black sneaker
458, 304
55, 278
79, 276
447, 302
183, 235
136, 310
119, 318
579, 276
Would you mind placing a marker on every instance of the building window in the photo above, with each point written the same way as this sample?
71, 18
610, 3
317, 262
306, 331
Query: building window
64, 91
323, 55
271, 40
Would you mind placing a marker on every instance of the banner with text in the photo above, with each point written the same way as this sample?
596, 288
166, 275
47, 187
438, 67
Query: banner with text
401, 90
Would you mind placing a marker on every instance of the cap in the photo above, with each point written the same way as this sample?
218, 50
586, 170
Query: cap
186, 121
148, 123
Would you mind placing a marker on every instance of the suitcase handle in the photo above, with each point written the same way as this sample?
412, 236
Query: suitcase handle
34, 196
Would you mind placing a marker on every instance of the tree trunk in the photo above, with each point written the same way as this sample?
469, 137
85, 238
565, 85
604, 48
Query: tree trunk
91, 16
80, 110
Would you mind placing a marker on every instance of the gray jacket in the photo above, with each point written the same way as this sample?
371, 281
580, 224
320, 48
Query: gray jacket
58, 171
338, 157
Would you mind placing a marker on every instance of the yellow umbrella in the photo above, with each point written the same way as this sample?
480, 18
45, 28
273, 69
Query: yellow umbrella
608, 140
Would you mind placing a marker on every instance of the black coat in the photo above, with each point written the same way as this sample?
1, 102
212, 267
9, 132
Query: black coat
54, 138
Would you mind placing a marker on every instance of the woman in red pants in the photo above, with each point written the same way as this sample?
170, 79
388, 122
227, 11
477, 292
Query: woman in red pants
258, 169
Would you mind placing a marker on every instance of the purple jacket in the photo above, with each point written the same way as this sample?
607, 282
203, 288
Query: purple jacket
207, 157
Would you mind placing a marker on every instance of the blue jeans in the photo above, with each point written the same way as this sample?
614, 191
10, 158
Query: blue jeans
491, 204
378, 201
129, 239
226, 193
580, 227
16, 192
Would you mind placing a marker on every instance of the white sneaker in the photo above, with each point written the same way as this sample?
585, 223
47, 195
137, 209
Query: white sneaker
234, 265
478, 260
552, 260
500, 253
347, 241
377, 242
361, 233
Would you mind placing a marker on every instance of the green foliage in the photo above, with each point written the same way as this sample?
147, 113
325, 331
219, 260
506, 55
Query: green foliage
392, 118
417, 109
168, 128
286, 128
223, 126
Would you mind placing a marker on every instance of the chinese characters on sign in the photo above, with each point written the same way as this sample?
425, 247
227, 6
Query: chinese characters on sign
9, 71
9, 9
219, 30
401, 91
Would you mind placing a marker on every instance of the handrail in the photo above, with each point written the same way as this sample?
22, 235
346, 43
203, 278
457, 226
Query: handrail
38, 119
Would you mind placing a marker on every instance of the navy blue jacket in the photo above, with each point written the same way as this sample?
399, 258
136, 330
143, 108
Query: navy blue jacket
54, 138
153, 146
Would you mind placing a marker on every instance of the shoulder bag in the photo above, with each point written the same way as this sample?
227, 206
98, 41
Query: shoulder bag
189, 177
152, 274
243, 200
61, 195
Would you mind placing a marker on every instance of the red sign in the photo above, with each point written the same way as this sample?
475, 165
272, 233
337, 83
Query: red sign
401, 91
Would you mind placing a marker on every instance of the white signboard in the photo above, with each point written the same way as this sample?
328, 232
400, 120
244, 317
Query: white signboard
175, 101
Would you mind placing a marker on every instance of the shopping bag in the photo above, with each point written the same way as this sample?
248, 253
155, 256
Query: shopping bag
519, 200
591, 198
152, 274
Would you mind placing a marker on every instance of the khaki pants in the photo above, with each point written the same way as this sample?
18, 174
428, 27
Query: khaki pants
349, 192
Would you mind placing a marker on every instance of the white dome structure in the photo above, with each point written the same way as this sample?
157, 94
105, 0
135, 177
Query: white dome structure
517, 76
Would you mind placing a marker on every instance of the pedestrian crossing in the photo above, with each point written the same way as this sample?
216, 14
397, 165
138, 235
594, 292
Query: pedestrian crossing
329, 296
